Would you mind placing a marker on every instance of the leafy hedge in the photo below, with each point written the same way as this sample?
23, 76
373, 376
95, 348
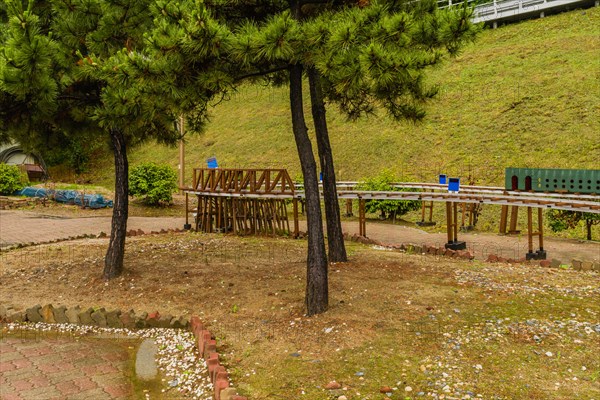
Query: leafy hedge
154, 183
11, 179
389, 209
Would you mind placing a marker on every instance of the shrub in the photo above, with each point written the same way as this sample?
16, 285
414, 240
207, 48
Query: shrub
11, 179
387, 208
154, 183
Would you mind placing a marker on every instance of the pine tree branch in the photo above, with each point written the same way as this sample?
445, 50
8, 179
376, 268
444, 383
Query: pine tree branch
261, 73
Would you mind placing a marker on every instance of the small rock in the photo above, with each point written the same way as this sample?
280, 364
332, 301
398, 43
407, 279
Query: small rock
549, 354
333, 385
385, 389
408, 389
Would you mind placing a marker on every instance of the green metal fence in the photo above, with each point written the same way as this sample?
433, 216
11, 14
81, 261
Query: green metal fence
585, 181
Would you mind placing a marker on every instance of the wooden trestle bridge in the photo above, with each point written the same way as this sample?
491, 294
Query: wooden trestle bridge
255, 201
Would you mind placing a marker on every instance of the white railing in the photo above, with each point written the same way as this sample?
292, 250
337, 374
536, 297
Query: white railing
496, 10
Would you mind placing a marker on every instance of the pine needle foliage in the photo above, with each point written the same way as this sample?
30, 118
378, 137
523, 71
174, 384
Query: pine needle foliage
122, 70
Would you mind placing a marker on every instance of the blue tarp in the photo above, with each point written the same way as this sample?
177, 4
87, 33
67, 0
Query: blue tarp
67, 197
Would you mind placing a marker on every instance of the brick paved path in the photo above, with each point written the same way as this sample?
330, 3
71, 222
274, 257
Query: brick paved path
25, 227
64, 368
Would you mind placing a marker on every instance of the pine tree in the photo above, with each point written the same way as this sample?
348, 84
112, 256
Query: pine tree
358, 57
73, 66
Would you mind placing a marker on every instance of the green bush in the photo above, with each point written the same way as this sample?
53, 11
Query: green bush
389, 209
154, 183
11, 179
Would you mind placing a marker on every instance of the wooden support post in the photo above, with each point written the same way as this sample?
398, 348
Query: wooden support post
187, 225
455, 222
529, 230
452, 227
296, 225
514, 213
187, 209
198, 216
539, 254
541, 231
362, 219
349, 208
503, 220
234, 215
449, 221
424, 206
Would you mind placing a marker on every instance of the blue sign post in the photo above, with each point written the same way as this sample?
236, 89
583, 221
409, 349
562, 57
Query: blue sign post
442, 179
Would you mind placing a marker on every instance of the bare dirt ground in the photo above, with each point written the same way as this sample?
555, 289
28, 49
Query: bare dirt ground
414, 325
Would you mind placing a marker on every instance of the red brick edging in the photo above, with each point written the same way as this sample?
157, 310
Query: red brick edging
207, 348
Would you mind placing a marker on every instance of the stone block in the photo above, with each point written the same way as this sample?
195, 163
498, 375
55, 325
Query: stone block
59, 315
113, 319
228, 393
47, 312
72, 315
596, 267
99, 318
165, 321
33, 314
140, 321
85, 317
545, 263
586, 265
179, 323
152, 320
555, 263
128, 319
17, 316
576, 264
449, 253
4, 311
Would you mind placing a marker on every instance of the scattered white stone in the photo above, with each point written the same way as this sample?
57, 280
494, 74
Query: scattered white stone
408, 389
549, 354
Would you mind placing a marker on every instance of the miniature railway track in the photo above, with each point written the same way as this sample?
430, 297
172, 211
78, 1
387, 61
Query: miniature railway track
255, 201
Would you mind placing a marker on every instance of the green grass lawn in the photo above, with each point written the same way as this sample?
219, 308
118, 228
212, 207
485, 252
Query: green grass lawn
524, 95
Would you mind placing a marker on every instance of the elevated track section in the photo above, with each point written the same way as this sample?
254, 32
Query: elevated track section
252, 201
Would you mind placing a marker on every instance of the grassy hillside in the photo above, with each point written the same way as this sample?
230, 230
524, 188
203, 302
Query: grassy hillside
524, 95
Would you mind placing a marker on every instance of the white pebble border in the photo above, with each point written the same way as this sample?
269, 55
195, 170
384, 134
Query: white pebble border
177, 356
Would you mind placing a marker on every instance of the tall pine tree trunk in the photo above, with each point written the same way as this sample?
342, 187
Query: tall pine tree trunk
113, 262
335, 236
317, 292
